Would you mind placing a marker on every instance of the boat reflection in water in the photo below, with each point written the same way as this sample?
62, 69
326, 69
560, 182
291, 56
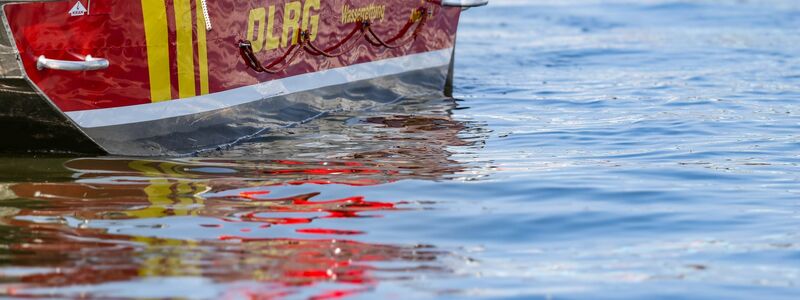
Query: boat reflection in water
226, 227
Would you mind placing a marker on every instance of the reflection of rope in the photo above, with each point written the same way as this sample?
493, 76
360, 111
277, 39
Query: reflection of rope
363, 29
205, 15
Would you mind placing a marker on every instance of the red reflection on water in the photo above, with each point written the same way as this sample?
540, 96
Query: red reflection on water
329, 231
81, 255
252, 194
68, 232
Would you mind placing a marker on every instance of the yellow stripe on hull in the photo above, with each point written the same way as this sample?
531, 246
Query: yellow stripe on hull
157, 38
184, 48
202, 49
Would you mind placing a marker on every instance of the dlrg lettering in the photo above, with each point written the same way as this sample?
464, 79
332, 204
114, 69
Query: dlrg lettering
297, 16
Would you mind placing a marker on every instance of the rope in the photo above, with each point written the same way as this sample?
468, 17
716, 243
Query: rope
314, 50
363, 29
389, 43
246, 51
205, 15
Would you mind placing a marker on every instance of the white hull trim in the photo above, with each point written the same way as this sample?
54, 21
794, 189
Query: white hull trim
284, 86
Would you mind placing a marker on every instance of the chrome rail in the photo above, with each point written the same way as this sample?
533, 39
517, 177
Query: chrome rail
88, 64
465, 3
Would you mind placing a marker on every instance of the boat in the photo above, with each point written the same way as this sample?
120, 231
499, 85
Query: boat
170, 78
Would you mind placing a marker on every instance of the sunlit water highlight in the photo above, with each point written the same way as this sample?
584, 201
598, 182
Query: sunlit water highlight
598, 149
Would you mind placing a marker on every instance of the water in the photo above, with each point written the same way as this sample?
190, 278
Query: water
598, 149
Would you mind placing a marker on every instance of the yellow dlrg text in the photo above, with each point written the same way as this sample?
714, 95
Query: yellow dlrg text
297, 16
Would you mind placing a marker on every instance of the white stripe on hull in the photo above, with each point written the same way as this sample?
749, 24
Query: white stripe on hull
272, 88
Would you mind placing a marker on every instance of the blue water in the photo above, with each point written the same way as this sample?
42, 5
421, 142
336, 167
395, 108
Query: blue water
596, 150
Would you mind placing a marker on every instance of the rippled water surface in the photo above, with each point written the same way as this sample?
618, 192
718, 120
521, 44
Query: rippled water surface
596, 150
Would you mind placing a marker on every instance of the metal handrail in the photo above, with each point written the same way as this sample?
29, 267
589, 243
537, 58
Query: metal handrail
465, 3
88, 64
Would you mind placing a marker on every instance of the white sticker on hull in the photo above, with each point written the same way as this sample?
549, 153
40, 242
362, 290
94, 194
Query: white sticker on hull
78, 10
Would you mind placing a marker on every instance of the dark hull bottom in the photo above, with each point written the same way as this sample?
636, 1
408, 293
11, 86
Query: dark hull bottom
29, 124
44, 129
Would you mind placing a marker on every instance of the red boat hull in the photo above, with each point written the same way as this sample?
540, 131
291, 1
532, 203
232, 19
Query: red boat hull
178, 81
